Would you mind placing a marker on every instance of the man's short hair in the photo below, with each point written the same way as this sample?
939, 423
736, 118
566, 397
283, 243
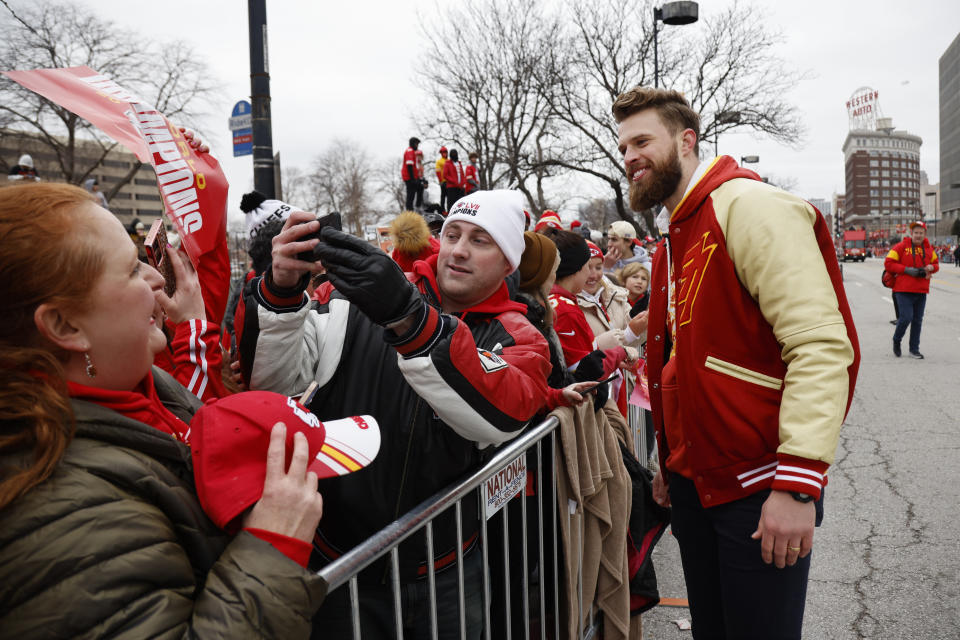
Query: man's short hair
674, 110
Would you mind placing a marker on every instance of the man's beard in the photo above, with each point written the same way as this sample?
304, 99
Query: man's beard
659, 184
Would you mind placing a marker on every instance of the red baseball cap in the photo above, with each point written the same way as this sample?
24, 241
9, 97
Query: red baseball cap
230, 437
442, 149
575, 224
594, 250
918, 223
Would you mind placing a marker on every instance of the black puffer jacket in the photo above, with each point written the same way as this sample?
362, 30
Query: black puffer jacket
115, 544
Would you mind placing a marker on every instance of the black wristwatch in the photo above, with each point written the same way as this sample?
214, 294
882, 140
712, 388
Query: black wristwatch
801, 497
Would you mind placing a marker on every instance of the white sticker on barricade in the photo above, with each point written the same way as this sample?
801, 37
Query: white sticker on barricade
504, 485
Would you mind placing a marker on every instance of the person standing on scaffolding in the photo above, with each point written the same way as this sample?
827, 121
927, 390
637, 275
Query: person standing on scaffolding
448, 365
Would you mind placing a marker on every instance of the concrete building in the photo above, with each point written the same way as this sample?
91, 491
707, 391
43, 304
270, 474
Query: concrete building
950, 134
139, 198
882, 177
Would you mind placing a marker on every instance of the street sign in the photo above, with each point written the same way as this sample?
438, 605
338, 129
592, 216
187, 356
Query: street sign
241, 124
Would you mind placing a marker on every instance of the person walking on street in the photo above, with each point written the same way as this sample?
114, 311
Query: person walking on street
956, 256
914, 261
438, 166
410, 174
454, 177
752, 359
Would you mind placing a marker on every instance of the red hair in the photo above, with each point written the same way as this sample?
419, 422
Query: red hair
49, 256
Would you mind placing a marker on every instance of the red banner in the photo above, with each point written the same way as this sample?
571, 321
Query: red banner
193, 187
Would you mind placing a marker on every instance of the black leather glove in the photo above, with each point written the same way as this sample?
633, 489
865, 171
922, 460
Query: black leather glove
367, 277
600, 394
590, 367
916, 272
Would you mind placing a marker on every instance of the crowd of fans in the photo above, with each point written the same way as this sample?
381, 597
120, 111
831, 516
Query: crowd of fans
166, 475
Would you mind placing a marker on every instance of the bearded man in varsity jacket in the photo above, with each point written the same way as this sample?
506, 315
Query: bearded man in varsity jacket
752, 360
447, 364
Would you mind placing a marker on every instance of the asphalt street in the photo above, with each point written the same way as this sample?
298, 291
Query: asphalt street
887, 558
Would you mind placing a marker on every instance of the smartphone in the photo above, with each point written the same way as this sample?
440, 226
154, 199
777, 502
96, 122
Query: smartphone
329, 220
156, 246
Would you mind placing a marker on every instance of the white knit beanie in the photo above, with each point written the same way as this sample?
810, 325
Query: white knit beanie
499, 213
268, 211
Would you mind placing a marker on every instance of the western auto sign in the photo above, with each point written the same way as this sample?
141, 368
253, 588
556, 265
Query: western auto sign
863, 108
193, 187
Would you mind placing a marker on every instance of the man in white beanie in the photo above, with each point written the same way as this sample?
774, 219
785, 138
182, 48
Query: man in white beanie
448, 363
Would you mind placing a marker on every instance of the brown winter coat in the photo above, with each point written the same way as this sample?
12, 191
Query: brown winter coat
115, 544
594, 496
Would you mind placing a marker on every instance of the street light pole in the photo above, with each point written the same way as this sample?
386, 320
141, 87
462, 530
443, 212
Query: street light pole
675, 13
263, 176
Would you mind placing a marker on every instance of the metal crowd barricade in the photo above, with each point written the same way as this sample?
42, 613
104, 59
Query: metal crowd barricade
345, 569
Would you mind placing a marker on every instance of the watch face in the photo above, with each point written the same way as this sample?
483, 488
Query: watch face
801, 497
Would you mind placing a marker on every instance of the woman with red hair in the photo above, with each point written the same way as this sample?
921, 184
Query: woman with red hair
101, 530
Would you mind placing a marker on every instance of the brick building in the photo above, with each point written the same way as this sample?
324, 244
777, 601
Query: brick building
882, 178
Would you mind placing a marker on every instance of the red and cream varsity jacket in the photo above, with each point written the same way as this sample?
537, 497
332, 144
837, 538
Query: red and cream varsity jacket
753, 365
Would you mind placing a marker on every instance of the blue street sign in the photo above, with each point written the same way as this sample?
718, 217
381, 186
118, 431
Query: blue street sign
241, 124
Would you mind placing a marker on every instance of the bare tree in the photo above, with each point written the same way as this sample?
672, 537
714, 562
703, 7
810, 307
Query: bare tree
47, 34
726, 68
533, 88
482, 93
387, 183
339, 180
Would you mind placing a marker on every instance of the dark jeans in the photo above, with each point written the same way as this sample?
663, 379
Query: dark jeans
733, 594
413, 186
911, 307
453, 194
444, 203
334, 621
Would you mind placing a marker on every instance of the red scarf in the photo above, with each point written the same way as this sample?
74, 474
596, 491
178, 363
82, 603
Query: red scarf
141, 404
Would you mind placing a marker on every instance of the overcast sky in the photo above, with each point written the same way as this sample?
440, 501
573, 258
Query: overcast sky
344, 69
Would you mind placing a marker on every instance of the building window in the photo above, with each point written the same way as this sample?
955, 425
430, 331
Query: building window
149, 212
147, 196
122, 196
145, 182
874, 192
874, 163
874, 203
885, 174
874, 183
885, 203
885, 163
123, 211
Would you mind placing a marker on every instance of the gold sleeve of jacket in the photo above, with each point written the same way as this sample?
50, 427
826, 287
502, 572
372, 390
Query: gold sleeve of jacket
770, 238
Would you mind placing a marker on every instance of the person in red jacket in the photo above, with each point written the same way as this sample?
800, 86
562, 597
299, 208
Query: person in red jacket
914, 261
455, 178
752, 358
472, 178
410, 172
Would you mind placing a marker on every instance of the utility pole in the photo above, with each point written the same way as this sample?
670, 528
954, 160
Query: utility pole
263, 171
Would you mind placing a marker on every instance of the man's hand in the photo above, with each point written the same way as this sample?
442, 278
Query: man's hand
287, 269
660, 493
785, 529
577, 392
613, 255
916, 272
368, 277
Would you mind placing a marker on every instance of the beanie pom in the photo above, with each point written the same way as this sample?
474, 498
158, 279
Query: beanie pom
251, 201
410, 233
